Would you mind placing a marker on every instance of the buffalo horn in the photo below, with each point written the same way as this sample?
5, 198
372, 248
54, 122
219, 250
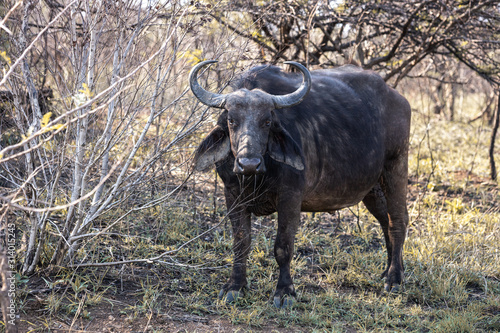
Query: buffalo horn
206, 97
284, 101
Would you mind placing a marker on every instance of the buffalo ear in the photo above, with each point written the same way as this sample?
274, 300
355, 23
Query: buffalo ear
214, 148
283, 148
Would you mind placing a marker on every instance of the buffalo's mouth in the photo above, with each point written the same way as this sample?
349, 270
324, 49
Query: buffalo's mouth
249, 165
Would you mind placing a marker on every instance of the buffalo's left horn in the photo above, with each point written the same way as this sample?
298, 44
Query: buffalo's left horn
284, 101
206, 97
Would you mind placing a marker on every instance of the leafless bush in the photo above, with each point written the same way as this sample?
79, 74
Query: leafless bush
119, 119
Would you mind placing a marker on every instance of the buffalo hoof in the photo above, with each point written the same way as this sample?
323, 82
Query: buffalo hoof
392, 288
284, 302
393, 280
230, 297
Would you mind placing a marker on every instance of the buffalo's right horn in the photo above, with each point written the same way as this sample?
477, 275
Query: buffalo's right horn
206, 97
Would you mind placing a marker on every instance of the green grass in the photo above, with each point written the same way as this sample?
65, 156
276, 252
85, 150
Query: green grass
452, 257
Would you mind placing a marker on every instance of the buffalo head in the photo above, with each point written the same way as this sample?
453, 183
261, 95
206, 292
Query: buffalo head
249, 127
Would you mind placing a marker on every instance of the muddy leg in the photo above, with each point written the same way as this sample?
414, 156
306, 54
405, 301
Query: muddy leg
376, 204
394, 184
241, 225
288, 221
387, 202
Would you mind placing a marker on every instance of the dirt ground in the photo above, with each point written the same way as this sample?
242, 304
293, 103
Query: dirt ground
114, 317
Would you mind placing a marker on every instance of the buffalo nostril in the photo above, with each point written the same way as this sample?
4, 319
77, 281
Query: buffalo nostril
249, 165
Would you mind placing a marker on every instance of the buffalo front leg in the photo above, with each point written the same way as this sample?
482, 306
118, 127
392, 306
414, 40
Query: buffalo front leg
288, 222
241, 226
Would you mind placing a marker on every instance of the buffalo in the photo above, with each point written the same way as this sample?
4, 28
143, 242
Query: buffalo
319, 141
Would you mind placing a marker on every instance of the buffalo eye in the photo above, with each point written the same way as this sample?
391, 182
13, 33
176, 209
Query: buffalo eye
267, 123
231, 122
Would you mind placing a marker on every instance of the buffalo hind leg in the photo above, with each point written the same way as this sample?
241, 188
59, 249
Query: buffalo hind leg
241, 226
376, 204
387, 202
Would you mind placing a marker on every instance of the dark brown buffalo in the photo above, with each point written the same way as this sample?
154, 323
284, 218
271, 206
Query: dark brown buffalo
316, 142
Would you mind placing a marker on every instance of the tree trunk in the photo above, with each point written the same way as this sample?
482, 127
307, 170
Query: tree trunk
492, 143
